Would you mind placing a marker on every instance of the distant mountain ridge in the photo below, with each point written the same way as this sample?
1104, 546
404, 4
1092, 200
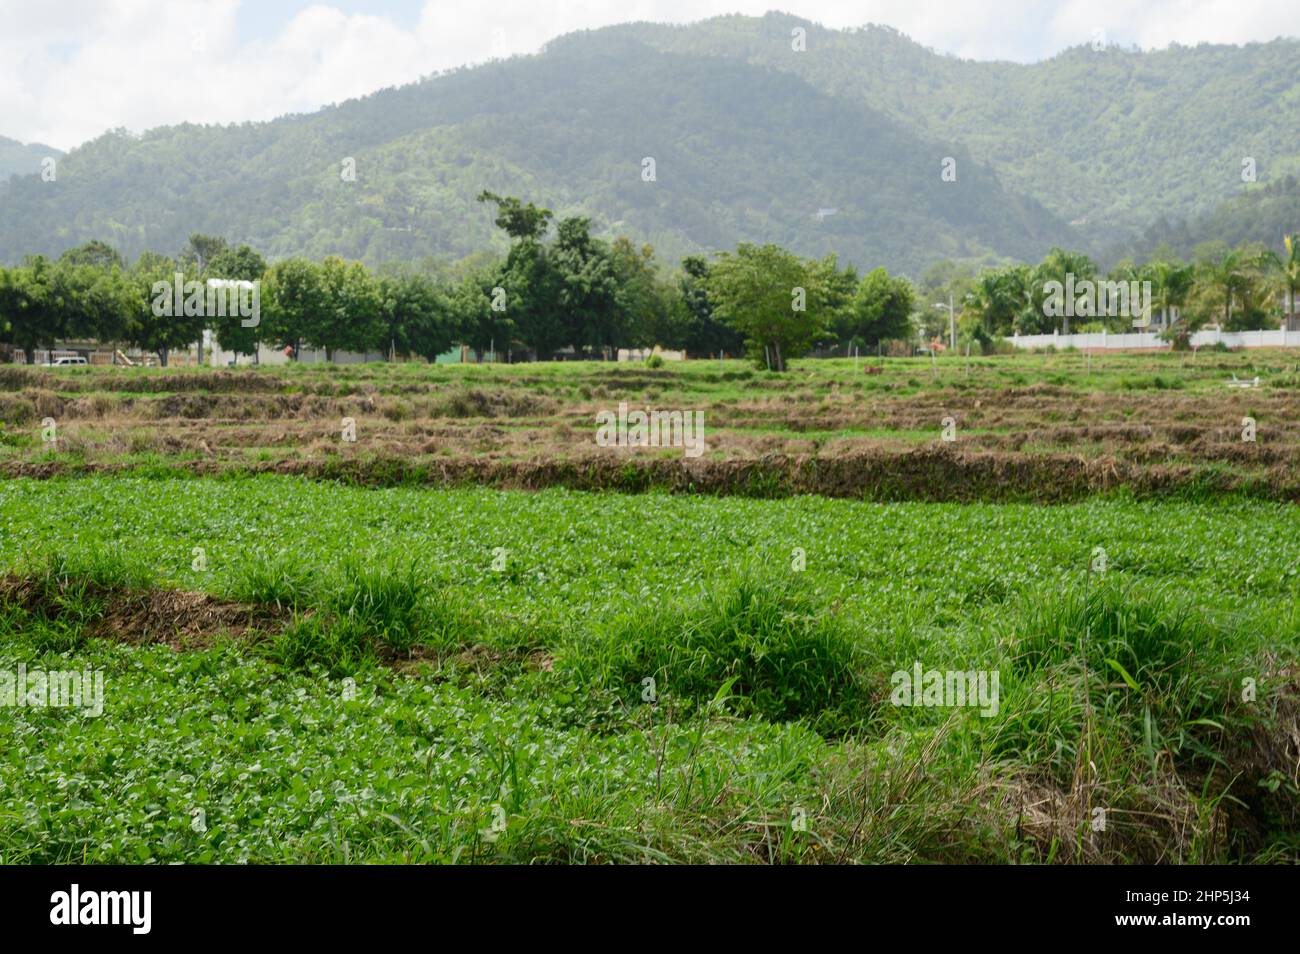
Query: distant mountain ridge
1112, 137
22, 159
836, 148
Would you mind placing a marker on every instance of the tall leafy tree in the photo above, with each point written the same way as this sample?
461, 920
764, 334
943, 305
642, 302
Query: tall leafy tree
98, 302
705, 333
472, 301
1171, 284
1001, 300
650, 308
528, 285
517, 220
43, 301
587, 292
835, 293
156, 323
349, 318
1058, 266
28, 300
1225, 275
416, 313
882, 308
200, 250
234, 331
531, 286
94, 252
758, 290
292, 295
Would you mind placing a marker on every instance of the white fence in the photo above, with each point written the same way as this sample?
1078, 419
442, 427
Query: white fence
1139, 340
216, 357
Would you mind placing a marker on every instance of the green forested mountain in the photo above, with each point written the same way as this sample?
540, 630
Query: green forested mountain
1256, 214
752, 141
22, 159
1106, 138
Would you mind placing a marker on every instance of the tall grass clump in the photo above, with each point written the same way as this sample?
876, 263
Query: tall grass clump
340, 647
1142, 666
762, 640
101, 567
73, 586
278, 579
384, 599
1128, 698
366, 608
65, 592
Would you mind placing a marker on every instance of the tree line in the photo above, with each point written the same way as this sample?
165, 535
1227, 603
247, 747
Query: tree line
557, 290
1247, 287
560, 289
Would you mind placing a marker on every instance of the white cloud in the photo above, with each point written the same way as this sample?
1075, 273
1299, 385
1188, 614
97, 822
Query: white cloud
68, 71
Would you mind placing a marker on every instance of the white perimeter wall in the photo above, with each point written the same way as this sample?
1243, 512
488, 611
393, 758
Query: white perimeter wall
1136, 340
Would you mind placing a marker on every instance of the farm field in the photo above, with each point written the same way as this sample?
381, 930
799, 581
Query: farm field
302, 670
548, 438
1042, 427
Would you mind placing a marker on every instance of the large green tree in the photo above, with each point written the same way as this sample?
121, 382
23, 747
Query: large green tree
43, 301
1171, 284
292, 295
651, 311
236, 332
28, 303
474, 302
1065, 268
770, 296
94, 252
705, 333
882, 308
530, 285
416, 313
516, 219
587, 289
200, 250
1229, 278
157, 324
1001, 301
349, 317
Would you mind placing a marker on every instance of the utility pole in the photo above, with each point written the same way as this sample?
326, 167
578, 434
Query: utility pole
952, 325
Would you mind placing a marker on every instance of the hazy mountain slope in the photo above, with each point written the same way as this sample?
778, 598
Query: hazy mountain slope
751, 140
1110, 137
1257, 214
742, 153
18, 158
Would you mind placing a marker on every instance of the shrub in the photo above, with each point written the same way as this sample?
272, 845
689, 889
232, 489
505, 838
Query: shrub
782, 656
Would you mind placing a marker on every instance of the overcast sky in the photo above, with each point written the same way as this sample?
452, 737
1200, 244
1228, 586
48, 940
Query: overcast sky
70, 69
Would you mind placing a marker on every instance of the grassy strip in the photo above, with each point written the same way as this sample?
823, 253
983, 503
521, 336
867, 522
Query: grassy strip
523, 694
1113, 699
926, 474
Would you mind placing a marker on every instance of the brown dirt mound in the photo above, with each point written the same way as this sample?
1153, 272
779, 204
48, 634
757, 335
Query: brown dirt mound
935, 473
129, 379
180, 619
185, 620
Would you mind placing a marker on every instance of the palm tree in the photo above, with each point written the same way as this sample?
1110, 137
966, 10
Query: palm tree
1058, 266
998, 298
1225, 277
1171, 283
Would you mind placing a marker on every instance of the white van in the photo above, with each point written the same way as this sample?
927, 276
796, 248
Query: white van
66, 361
